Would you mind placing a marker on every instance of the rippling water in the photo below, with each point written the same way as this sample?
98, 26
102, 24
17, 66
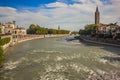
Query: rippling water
57, 59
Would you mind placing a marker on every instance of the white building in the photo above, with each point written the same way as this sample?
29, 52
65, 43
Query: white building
19, 31
10, 28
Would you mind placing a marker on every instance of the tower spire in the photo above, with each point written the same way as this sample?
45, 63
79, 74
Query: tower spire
97, 9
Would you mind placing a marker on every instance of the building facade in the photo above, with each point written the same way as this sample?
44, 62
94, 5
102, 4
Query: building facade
19, 31
10, 28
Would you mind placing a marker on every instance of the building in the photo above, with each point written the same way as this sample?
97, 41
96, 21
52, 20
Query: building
97, 16
10, 28
19, 31
111, 30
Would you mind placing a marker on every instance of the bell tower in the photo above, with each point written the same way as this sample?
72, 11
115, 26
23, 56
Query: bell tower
97, 16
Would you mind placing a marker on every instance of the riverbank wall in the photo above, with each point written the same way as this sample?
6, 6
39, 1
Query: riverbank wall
31, 37
98, 42
27, 38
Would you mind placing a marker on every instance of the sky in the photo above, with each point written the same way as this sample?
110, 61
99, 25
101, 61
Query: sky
68, 14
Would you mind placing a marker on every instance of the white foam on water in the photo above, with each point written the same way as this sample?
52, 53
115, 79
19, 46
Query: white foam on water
75, 43
53, 71
55, 68
52, 76
67, 57
13, 64
102, 61
100, 71
75, 67
45, 51
58, 58
81, 67
37, 60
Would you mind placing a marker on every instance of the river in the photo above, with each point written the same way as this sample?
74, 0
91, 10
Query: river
58, 59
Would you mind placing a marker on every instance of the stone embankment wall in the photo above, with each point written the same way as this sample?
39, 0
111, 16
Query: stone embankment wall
100, 41
26, 38
31, 37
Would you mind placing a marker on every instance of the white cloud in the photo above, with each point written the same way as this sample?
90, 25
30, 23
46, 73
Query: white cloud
96, 2
56, 4
68, 16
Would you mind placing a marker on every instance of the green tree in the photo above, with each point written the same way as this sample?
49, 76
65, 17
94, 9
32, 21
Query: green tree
32, 29
91, 29
36, 29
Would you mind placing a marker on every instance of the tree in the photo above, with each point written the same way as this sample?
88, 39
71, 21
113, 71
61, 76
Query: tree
36, 29
91, 29
32, 29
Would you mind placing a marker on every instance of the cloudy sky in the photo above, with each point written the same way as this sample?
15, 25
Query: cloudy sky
68, 14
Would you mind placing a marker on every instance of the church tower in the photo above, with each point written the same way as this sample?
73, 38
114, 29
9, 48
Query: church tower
97, 16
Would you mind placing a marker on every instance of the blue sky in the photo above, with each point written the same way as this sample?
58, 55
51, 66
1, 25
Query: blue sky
25, 3
68, 14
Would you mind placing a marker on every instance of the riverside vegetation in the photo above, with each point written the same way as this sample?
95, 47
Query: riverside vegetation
36, 29
3, 42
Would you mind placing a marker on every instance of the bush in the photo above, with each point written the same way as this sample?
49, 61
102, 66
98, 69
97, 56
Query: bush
4, 41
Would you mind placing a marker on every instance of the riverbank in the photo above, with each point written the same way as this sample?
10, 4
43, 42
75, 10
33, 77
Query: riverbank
32, 37
109, 42
21, 39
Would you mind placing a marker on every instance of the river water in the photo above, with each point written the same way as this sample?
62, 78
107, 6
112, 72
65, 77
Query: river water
58, 59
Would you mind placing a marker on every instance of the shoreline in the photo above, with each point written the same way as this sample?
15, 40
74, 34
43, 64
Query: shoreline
30, 37
41, 37
98, 42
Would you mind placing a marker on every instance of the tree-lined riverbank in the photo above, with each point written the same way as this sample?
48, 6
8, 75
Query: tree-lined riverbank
36, 29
